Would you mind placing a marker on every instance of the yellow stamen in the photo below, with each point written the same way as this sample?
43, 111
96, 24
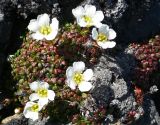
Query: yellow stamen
34, 108
42, 92
45, 30
87, 19
78, 77
101, 37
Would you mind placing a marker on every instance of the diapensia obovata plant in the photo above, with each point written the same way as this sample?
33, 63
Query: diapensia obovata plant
52, 66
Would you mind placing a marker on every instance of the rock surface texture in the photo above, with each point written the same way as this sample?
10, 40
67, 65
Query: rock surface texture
133, 20
111, 87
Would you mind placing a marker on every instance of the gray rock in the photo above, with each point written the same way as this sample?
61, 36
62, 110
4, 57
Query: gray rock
110, 88
35, 7
21, 120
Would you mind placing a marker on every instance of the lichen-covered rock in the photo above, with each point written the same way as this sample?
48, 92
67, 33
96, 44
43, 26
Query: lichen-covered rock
110, 89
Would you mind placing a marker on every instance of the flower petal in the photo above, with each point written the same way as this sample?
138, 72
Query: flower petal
78, 66
111, 34
94, 34
85, 86
97, 24
81, 22
34, 85
104, 29
51, 95
33, 97
98, 16
31, 115
54, 29
71, 84
52, 35
108, 44
27, 113
88, 74
34, 116
29, 104
55, 24
90, 10
37, 36
44, 85
33, 25
43, 101
40, 106
43, 19
69, 72
77, 12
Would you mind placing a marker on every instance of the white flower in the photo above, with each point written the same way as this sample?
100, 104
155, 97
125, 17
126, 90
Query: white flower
153, 89
76, 77
42, 93
137, 116
104, 36
41, 27
31, 110
88, 16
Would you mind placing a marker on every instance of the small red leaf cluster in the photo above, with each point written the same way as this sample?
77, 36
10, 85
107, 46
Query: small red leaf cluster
148, 58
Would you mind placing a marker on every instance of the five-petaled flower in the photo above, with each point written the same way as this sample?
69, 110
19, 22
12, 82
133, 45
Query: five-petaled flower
41, 28
42, 93
31, 110
76, 77
88, 16
103, 36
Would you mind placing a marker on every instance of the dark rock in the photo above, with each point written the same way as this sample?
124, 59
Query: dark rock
5, 31
67, 7
151, 116
35, 7
5, 24
2, 59
140, 21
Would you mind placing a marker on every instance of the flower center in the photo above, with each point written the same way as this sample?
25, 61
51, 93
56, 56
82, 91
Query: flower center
87, 19
45, 30
101, 37
78, 77
34, 108
42, 92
